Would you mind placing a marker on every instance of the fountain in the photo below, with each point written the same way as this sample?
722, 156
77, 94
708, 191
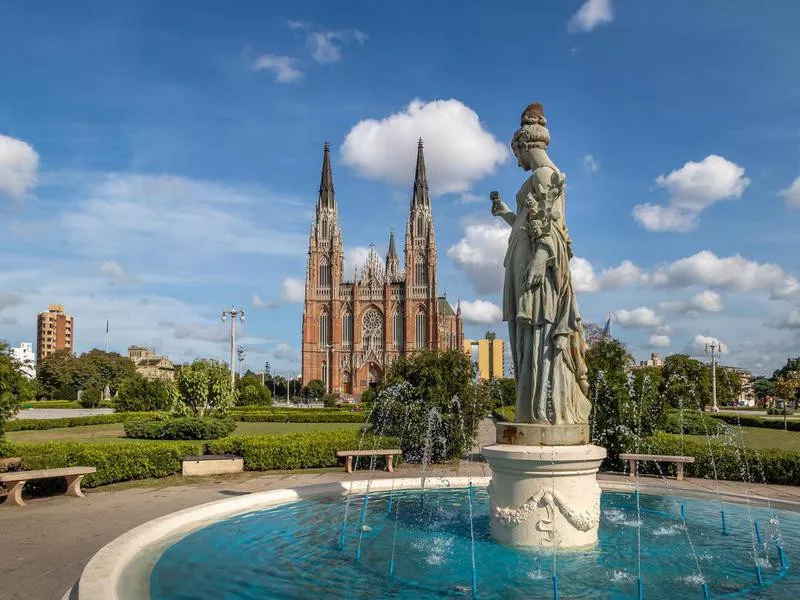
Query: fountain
431, 537
544, 491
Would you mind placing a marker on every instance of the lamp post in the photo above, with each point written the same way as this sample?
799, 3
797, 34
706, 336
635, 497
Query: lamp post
714, 347
233, 313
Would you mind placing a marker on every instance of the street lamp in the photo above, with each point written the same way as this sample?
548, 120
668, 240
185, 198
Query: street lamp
233, 313
714, 347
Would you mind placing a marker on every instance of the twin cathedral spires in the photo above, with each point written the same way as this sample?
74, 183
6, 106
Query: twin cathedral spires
326, 249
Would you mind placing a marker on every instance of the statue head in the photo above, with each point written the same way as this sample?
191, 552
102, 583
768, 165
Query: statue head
532, 134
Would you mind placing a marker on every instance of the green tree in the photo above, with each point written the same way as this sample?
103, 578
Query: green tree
685, 382
138, 393
763, 387
430, 401
251, 392
109, 368
729, 386
314, 389
627, 405
204, 389
14, 387
54, 376
792, 364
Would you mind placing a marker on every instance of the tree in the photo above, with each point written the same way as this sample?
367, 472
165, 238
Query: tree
592, 332
251, 392
792, 364
138, 393
685, 382
788, 386
627, 405
314, 389
763, 387
729, 386
204, 389
110, 368
55, 375
14, 387
429, 400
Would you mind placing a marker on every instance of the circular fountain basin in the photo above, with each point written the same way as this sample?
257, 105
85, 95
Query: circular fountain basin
404, 542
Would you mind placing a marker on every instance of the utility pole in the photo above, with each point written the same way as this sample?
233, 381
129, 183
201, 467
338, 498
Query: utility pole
233, 313
241, 352
715, 347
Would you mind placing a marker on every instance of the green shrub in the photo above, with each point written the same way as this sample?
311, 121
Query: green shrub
314, 449
779, 411
780, 467
252, 393
693, 422
204, 389
755, 421
181, 428
37, 424
300, 416
52, 404
114, 462
137, 393
504, 414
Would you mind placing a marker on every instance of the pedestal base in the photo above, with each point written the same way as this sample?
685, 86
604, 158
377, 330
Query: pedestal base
544, 496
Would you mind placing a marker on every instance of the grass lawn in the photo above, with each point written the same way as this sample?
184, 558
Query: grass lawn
113, 432
760, 437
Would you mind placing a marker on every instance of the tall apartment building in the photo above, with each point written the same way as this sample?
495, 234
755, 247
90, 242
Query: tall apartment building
26, 361
491, 358
54, 331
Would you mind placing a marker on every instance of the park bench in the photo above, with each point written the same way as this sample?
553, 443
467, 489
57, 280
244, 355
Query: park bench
15, 481
679, 461
349, 454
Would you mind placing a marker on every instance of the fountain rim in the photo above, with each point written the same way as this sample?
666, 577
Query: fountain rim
104, 572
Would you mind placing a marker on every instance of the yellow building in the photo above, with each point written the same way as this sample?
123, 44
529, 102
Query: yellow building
490, 356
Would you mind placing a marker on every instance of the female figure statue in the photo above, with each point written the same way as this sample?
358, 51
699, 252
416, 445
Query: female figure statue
544, 323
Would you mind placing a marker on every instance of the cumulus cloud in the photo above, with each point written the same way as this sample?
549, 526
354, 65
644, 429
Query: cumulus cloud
732, 273
638, 318
792, 194
285, 68
114, 271
705, 301
293, 290
356, 256
584, 278
692, 188
386, 149
18, 165
659, 341
590, 164
481, 312
700, 342
591, 15
480, 255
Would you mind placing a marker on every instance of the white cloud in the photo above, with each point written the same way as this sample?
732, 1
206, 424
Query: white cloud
590, 164
469, 198
732, 273
285, 68
18, 165
386, 149
692, 188
480, 255
284, 351
202, 332
700, 342
114, 271
792, 194
325, 45
481, 312
584, 278
791, 321
705, 301
640, 318
293, 290
590, 15
659, 341
257, 302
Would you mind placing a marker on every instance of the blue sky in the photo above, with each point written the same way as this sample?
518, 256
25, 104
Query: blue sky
160, 161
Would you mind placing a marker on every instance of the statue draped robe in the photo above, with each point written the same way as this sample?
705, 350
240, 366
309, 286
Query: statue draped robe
551, 382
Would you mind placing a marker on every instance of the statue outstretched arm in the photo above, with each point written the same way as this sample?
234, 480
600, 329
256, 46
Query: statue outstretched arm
501, 209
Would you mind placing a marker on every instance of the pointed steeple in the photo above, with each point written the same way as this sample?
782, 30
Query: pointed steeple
392, 263
420, 195
326, 194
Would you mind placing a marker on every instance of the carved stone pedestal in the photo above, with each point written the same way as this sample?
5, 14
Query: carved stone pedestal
544, 496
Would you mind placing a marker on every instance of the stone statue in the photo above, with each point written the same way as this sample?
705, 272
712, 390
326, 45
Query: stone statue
544, 324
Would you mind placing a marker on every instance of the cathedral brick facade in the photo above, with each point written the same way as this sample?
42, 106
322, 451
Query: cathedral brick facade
353, 329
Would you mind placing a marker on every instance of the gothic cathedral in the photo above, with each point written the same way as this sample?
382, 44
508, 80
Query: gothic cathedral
352, 330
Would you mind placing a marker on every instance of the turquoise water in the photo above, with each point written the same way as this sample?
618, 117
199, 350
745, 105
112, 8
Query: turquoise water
294, 551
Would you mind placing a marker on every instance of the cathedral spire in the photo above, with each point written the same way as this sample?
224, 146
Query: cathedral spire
392, 264
326, 194
420, 195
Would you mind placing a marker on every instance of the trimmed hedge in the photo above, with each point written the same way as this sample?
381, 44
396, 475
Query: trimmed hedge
286, 409
60, 404
300, 417
114, 462
756, 421
694, 423
315, 449
128, 461
36, 424
180, 428
774, 466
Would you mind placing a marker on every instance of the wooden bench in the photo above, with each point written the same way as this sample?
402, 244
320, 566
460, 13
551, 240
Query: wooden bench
349, 454
679, 461
16, 480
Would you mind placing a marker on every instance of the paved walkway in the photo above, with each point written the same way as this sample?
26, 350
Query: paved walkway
45, 545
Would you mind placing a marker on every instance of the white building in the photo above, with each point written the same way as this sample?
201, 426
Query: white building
26, 359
